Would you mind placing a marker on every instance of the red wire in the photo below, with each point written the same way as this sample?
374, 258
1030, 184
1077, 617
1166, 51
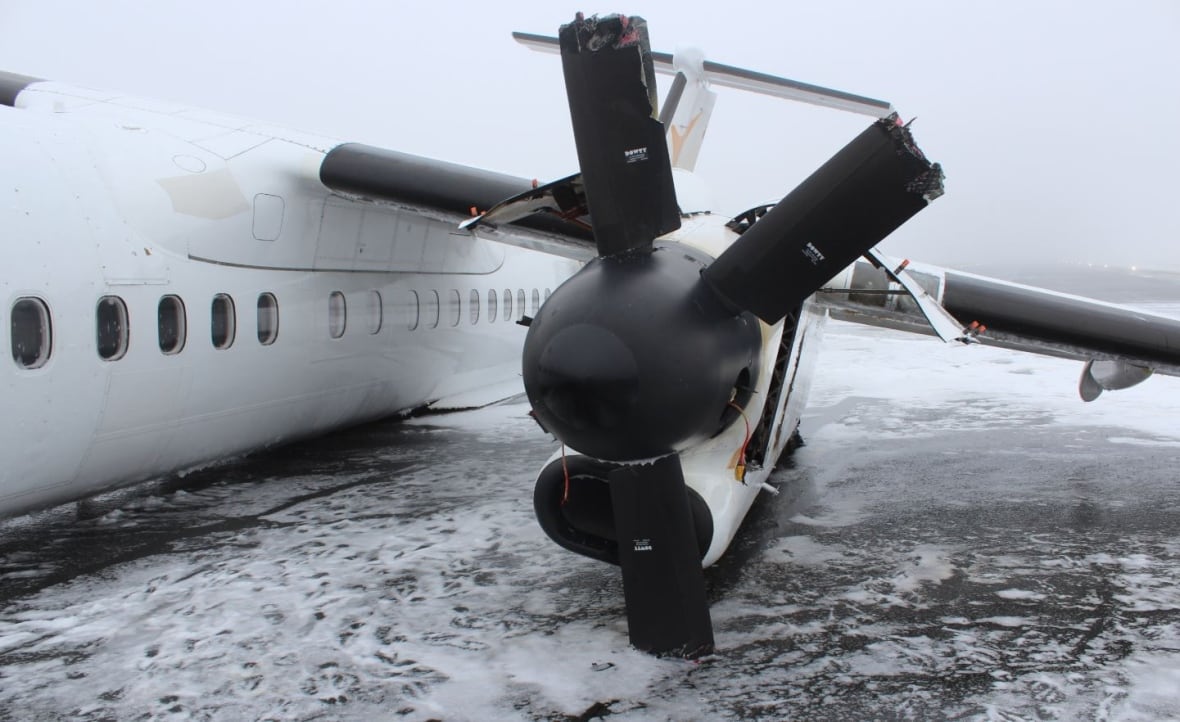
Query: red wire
746, 442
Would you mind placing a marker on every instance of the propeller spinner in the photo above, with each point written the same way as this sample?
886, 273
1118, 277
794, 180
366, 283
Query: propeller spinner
647, 350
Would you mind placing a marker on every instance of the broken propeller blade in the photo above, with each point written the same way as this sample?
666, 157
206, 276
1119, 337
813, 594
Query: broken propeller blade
622, 152
663, 583
860, 196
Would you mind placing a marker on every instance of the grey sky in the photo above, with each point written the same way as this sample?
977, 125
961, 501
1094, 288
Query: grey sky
1056, 122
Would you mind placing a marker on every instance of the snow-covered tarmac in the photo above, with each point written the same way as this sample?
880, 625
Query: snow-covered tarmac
960, 538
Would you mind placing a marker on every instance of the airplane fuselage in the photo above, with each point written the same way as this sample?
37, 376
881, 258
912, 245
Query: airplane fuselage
181, 288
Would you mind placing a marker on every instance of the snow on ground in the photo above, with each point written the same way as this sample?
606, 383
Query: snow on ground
960, 538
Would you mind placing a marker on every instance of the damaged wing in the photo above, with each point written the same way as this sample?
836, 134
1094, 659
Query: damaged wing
1121, 346
564, 199
545, 218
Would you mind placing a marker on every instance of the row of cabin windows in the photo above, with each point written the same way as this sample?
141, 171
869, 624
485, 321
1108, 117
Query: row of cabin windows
32, 332
427, 309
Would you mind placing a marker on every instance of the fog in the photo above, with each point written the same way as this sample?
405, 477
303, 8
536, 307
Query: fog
1055, 122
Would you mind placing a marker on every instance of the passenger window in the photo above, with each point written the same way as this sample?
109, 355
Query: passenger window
493, 302
375, 312
112, 330
507, 304
536, 301
548, 293
268, 318
413, 310
432, 309
520, 307
171, 324
455, 307
224, 324
337, 314
32, 335
473, 303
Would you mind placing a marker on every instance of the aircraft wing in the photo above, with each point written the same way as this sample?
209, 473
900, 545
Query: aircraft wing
550, 218
1121, 346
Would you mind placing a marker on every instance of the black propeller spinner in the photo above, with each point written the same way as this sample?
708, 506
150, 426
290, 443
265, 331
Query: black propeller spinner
644, 352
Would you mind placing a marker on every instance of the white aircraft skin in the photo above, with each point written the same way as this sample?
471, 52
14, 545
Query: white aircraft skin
109, 196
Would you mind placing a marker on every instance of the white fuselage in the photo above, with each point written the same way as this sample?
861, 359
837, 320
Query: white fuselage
119, 203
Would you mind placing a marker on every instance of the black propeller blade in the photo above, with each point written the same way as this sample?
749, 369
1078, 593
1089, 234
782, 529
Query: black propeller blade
649, 349
663, 583
862, 194
585, 377
611, 84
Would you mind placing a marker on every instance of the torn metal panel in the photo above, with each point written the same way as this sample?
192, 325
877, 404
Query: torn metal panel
946, 326
564, 198
365, 172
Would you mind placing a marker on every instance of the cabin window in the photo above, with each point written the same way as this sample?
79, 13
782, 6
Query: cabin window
171, 324
473, 306
536, 301
548, 293
31, 333
375, 313
507, 304
113, 332
223, 321
432, 309
520, 307
455, 307
413, 311
268, 318
492, 304
337, 314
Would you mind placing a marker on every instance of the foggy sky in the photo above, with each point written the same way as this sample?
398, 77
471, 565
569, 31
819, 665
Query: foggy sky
1056, 122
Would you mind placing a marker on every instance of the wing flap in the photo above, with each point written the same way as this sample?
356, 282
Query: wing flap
944, 325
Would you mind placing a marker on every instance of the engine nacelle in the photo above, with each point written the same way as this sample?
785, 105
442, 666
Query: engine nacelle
578, 516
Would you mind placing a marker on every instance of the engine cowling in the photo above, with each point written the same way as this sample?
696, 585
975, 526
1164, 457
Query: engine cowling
634, 357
